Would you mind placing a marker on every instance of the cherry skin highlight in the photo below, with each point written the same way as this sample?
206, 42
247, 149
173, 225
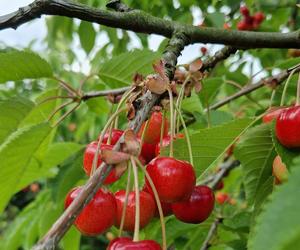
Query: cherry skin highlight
88, 158
125, 243
152, 133
198, 208
98, 215
288, 127
147, 209
174, 179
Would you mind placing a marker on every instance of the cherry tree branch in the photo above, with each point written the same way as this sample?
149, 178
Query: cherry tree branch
141, 22
211, 233
94, 94
271, 81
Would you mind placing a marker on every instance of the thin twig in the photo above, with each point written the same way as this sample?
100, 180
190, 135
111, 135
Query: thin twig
212, 231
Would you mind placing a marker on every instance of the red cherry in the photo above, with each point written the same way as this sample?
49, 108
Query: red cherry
198, 208
115, 136
279, 170
221, 198
242, 25
272, 114
88, 158
152, 133
174, 179
203, 50
244, 10
148, 151
166, 142
166, 207
147, 209
98, 215
125, 243
288, 127
259, 17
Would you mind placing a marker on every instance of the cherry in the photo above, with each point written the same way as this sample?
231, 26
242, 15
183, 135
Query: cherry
221, 198
272, 114
147, 209
125, 243
148, 151
88, 158
152, 133
98, 215
166, 142
242, 25
166, 207
244, 10
287, 127
198, 208
279, 171
174, 179
115, 136
220, 185
259, 17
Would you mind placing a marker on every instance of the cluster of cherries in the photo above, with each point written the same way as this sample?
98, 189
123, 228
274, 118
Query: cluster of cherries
174, 181
249, 22
288, 134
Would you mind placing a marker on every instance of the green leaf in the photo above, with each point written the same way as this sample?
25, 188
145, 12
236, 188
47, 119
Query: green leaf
280, 217
209, 144
120, 70
15, 156
12, 112
71, 240
87, 36
210, 87
19, 65
256, 153
239, 221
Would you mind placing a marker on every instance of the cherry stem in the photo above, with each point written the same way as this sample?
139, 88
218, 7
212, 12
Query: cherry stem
172, 121
158, 203
109, 122
66, 114
137, 201
121, 102
125, 202
162, 128
66, 86
272, 97
286, 86
51, 98
298, 91
187, 136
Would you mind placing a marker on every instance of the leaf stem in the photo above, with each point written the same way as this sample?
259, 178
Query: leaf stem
286, 86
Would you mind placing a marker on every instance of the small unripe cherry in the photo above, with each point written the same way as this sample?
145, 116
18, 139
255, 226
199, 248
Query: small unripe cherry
98, 215
147, 209
203, 50
198, 208
222, 197
125, 243
88, 159
279, 170
152, 133
174, 179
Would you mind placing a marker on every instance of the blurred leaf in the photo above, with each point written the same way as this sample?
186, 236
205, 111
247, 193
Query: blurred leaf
19, 65
280, 217
215, 19
256, 153
71, 240
87, 35
12, 112
120, 70
15, 155
287, 63
239, 222
209, 144
210, 87
98, 105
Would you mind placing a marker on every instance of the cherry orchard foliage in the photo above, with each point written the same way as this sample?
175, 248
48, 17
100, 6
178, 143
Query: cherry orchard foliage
32, 151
